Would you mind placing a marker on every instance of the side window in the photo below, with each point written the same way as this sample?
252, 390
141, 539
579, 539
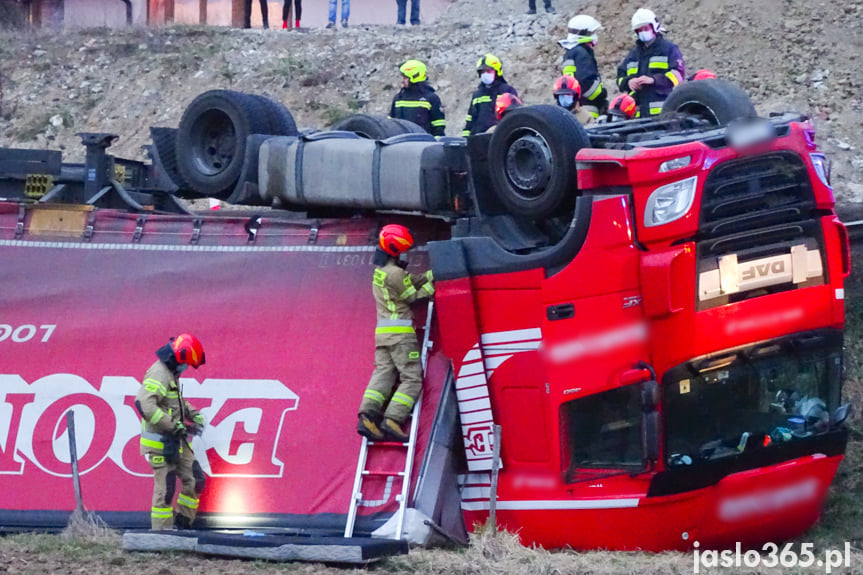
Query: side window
603, 431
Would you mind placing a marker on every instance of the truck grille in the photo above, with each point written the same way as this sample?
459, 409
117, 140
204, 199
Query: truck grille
754, 210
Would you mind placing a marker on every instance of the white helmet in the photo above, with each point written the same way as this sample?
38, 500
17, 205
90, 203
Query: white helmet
644, 16
582, 30
583, 25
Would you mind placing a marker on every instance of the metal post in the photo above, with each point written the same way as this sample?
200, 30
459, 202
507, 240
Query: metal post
73, 457
495, 467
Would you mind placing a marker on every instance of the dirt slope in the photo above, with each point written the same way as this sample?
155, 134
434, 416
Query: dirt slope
803, 55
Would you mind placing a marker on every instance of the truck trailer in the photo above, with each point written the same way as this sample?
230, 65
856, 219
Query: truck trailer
651, 312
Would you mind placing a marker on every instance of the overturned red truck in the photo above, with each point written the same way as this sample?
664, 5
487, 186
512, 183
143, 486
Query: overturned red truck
651, 311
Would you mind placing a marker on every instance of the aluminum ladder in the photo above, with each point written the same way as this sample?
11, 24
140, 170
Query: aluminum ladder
409, 447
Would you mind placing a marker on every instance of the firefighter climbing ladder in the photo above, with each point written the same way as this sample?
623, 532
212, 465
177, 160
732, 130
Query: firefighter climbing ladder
410, 446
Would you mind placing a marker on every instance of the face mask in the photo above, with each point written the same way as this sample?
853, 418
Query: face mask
487, 78
646, 36
566, 100
182, 367
593, 39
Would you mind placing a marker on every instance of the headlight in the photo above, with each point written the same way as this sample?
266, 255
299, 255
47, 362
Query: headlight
822, 168
670, 202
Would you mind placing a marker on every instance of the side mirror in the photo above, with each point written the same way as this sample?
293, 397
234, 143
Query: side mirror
840, 414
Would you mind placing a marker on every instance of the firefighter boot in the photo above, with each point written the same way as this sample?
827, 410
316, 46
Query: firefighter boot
182, 522
368, 428
394, 430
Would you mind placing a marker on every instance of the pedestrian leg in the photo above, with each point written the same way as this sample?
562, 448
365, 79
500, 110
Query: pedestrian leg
415, 12
402, 5
332, 14
265, 14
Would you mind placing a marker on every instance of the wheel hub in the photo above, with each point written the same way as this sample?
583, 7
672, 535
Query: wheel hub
528, 164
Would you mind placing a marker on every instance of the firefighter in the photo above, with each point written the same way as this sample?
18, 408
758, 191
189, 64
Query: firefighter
385, 407
567, 94
652, 68
580, 63
167, 422
417, 101
505, 103
703, 74
480, 114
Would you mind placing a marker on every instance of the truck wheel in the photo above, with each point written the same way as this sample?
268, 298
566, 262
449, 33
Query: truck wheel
717, 101
211, 139
532, 159
281, 120
408, 126
371, 127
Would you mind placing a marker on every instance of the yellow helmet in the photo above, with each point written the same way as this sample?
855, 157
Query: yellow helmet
414, 70
490, 61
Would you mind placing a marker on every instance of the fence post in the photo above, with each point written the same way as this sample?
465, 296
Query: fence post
495, 466
73, 457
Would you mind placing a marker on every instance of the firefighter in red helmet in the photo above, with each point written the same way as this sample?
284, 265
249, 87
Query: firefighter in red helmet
385, 407
167, 424
622, 107
567, 95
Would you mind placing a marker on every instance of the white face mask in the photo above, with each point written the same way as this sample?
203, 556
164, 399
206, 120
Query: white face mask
565, 100
487, 78
646, 36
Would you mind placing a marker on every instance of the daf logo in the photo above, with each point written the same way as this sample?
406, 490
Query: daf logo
763, 270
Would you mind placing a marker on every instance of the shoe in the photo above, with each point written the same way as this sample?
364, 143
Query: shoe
331, 25
369, 429
393, 429
182, 522
284, 24
266, 26
531, 12
550, 10
344, 23
297, 25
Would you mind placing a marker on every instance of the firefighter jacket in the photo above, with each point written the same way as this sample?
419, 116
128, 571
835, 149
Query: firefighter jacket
420, 104
161, 406
660, 60
395, 290
481, 115
580, 63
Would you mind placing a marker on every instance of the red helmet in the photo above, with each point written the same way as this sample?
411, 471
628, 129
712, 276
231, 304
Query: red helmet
187, 349
567, 85
704, 75
395, 239
623, 105
504, 102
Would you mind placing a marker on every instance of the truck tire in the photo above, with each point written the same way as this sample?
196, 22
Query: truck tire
532, 159
371, 127
211, 139
717, 101
165, 142
280, 118
408, 126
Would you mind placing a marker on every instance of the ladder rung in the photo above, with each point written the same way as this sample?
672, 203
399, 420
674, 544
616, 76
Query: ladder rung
384, 473
387, 444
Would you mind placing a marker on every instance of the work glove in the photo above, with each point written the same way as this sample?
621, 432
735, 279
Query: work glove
179, 429
195, 429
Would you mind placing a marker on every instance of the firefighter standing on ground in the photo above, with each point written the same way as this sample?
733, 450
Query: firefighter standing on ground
384, 409
652, 68
417, 101
580, 63
167, 421
480, 114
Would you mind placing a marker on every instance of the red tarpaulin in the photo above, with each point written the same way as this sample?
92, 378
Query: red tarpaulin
287, 323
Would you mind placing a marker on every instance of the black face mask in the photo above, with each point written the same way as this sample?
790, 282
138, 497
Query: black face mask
402, 261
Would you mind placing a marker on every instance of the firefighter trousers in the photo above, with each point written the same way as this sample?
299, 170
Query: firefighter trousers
400, 359
165, 476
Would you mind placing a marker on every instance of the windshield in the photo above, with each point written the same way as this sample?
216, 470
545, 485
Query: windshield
754, 398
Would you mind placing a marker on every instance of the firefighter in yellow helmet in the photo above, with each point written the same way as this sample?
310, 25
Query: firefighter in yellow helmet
417, 101
385, 407
167, 422
480, 114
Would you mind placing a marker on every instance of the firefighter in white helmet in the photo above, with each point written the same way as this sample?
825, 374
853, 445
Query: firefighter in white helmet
652, 68
385, 407
580, 63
